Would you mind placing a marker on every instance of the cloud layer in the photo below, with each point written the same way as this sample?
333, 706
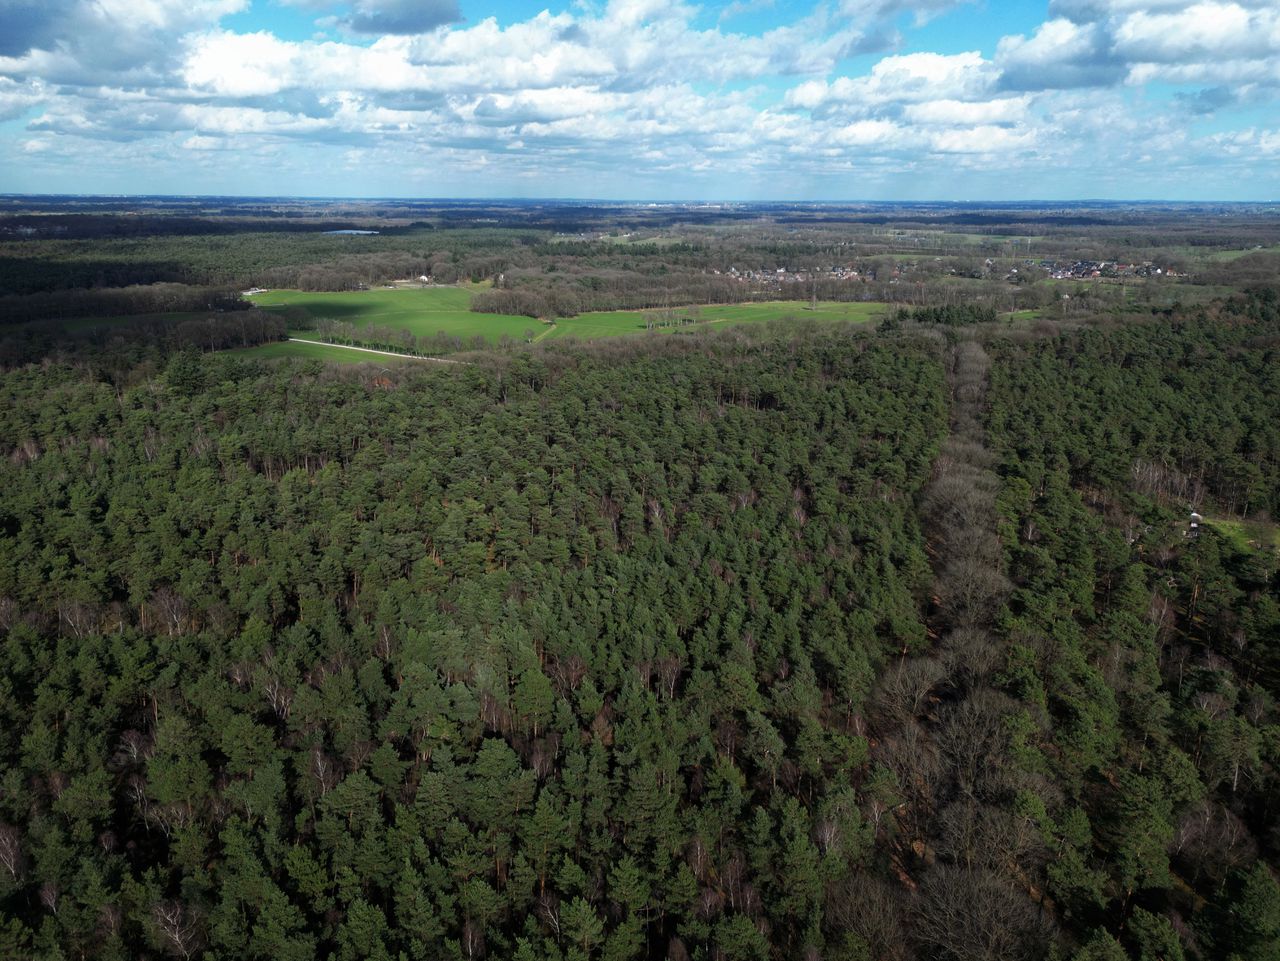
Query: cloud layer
641, 98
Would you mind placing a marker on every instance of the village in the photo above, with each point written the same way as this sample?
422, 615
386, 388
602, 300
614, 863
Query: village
1096, 269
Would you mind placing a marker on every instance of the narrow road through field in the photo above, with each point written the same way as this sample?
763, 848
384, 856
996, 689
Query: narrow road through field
370, 350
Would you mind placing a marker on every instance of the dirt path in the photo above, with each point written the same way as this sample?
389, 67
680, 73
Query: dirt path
385, 353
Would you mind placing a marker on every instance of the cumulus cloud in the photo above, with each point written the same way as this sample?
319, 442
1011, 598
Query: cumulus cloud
909, 78
92, 42
632, 88
1061, 54
1092, 44
1197, 32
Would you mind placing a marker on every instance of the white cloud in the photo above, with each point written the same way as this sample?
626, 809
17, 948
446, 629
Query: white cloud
1197, 32
969, 113
199, 142
635, 89
171, 15
866, 133
983, 139
1094, 44
240, 65
1060, 54
911, 78
16, 98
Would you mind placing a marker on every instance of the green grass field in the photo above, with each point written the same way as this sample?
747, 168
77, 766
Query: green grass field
1243, 252
425, 311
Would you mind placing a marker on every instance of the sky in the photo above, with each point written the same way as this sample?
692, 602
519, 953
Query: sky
644, 99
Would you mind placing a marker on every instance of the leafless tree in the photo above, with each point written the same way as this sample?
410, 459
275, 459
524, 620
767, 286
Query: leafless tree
11, 857
970, 656
903, 690
179, 927
976, 916
973, 835
871, 909
972, 741
1211, 842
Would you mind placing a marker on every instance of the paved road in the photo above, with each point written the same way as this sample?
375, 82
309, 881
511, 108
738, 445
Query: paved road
370, 350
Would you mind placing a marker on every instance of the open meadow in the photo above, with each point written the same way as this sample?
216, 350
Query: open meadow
422, 311
427, 311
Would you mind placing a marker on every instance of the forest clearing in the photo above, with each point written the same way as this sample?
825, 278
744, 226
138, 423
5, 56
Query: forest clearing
444, 312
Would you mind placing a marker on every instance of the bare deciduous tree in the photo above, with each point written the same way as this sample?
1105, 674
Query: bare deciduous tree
976, 916
179, 928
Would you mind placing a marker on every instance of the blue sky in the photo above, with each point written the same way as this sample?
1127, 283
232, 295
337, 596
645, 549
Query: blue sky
644, 99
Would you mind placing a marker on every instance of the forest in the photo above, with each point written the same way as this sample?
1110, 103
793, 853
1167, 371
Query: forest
953, 637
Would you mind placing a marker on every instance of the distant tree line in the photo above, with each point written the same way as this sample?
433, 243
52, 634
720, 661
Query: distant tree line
118, 301
396, 339
116, 348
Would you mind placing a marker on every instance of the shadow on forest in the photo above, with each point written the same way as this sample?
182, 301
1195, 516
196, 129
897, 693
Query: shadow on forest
23, 275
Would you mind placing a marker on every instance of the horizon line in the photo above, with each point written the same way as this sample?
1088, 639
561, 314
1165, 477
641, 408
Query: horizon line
633, 200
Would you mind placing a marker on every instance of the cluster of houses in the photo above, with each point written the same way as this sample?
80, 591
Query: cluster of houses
782, 276
1095, 269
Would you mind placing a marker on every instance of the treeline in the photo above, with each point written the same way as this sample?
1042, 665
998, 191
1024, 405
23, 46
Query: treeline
356, 272
256, 258
567, 293
579, 289
116, 302
954, 315
127, 349
562, 657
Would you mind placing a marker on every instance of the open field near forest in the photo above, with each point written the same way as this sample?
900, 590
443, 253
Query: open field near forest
1244, 252
425, 311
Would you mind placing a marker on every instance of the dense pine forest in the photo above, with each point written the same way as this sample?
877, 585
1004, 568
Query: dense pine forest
554, 660
789, 642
